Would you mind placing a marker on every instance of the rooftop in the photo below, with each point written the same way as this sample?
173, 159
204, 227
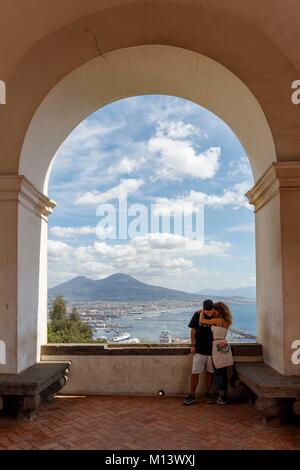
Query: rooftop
127, 422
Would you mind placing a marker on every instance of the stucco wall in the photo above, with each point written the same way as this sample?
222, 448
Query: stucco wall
290, 226
269, 281
8, 283
131, 375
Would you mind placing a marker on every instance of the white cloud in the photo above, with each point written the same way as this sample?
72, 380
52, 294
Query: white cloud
126, 166
122, 190
158, 111
190, 204
241, 167
243, 228
88, 134
68, 232
57, 249
178, 130
165, 242
84, 143
177, 157
160, 254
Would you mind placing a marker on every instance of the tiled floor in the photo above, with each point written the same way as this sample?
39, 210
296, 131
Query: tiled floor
145, 423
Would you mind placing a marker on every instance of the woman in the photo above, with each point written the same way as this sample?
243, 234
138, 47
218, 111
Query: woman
221, 352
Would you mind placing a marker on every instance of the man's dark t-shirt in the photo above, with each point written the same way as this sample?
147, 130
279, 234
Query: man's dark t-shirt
203, 337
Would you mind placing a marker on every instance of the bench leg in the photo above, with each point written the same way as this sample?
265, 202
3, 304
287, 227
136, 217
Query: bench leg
242, 389
28, 406
48, 394
272, 408
296, 407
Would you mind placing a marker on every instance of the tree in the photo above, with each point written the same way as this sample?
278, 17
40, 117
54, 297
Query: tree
59, 309
75, 315
62, 329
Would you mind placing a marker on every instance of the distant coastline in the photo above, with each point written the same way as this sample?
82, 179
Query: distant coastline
125, 288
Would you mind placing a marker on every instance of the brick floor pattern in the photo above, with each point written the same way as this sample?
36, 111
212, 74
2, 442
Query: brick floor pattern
117, 423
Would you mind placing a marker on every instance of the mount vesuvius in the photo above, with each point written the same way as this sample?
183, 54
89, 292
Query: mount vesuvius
117, 287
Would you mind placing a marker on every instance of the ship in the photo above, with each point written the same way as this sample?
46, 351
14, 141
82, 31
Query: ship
118, 338
165, 337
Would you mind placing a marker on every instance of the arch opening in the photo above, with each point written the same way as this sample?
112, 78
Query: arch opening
160, 161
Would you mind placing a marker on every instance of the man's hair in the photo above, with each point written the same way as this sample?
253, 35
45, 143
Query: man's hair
208, 304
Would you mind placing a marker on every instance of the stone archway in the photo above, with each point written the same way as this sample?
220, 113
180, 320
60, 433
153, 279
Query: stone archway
144, 70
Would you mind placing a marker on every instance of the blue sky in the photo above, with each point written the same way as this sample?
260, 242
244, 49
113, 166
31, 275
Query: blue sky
153, 150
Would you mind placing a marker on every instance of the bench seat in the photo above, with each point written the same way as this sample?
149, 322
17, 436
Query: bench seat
267, 382
274, 394
21, 394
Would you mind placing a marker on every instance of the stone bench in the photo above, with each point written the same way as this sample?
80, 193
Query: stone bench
274, 394
21, 394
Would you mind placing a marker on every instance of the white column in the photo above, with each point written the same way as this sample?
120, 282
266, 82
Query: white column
276, 197
23, 271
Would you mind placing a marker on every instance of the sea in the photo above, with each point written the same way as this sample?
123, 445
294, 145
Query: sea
147, 326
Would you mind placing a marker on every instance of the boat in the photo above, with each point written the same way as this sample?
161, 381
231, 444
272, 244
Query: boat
165, 337
119, 338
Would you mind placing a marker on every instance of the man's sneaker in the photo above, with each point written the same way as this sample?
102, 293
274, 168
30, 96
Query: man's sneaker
190, 400
221, 400
208, 399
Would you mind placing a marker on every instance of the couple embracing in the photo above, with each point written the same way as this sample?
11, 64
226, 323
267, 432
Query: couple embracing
211, 352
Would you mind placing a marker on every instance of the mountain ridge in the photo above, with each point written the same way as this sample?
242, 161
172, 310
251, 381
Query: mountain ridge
248, 292
116, 287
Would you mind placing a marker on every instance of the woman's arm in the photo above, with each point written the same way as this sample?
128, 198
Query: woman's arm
212, 321
204, 321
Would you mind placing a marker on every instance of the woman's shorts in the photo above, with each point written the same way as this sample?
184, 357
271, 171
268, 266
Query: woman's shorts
202, 363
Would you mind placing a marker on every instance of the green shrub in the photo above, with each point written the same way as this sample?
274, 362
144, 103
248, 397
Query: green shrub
64, 329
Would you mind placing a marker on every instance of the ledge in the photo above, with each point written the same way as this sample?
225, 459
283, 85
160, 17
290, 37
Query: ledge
279, 176
16, 187
239, 349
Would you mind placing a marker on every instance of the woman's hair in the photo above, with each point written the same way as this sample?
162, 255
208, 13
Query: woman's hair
224, 311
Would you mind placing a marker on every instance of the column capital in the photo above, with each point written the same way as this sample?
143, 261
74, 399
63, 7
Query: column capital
279, 176
19, 188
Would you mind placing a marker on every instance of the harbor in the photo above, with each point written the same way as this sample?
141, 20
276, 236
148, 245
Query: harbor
167, 326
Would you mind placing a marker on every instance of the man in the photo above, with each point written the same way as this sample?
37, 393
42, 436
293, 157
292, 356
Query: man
201, 348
